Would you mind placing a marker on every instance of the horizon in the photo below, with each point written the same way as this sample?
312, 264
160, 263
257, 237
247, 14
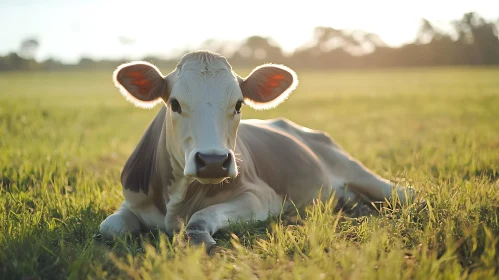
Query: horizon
99, 31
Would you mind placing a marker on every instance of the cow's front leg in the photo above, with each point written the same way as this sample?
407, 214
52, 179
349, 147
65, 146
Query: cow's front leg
119, 223
244, 207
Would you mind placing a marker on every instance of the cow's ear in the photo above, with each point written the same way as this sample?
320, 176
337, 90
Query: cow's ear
268, 85
141, 83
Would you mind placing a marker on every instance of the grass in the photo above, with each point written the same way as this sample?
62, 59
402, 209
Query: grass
65, 136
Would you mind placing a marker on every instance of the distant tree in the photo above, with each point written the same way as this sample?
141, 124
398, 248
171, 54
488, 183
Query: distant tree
87, 63
52, 64
478, 38
13, 62
473, 41
28, 48
426, 32
258, 49
355, 41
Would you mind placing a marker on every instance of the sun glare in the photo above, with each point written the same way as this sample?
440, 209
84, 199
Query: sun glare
117, 29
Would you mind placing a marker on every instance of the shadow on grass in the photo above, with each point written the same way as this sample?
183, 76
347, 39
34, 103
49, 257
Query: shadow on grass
52, 250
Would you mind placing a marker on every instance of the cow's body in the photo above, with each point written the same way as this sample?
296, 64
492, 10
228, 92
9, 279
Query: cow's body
282, 168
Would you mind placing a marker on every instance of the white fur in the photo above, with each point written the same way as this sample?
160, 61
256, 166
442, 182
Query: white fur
207, 123
143, 208
256, 203
121, 222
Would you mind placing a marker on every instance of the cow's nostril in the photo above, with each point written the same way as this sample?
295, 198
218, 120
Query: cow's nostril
227, 162
212, 165
200, 163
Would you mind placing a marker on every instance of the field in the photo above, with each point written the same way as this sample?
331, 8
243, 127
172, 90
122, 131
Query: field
65, 136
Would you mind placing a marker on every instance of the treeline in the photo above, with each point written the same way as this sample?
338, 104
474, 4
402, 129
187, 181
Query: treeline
472, 41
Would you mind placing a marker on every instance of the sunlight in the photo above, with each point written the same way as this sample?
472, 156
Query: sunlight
93, 28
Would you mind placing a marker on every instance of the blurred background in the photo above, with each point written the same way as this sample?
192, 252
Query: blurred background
62, 35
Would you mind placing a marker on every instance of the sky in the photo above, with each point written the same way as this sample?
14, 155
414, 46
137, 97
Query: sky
70, 29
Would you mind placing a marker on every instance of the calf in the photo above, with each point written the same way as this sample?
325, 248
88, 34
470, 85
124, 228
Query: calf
200, 162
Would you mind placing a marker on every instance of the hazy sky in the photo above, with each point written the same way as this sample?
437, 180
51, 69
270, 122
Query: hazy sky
68, 29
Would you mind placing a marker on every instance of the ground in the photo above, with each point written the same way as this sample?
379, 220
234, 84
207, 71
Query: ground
65, 136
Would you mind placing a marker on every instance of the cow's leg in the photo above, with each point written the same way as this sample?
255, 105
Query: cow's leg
351, 202
246, 206
365, 182
370, 185
360, 179
119, 223
150, 217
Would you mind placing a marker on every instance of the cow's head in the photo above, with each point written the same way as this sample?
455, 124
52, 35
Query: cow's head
204, 99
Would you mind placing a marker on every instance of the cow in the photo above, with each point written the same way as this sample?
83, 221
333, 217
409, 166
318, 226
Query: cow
199, 162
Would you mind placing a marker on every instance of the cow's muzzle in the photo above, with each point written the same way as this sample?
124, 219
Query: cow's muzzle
212, 165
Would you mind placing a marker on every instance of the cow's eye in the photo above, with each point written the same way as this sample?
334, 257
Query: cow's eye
175, 106
238, 107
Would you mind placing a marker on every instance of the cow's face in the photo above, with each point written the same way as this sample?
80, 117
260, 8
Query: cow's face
205, 100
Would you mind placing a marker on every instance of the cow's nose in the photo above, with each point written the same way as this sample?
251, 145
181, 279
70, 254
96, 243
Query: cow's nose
212, 166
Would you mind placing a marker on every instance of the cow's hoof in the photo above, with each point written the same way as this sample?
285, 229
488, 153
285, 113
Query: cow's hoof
197, 238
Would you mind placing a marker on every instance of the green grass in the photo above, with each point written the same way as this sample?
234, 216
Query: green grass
65, 136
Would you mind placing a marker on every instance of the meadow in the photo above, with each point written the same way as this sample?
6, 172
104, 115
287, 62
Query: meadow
64, 136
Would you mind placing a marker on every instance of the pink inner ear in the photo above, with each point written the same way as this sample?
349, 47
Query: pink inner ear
140, 81
135, 75
273, 82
